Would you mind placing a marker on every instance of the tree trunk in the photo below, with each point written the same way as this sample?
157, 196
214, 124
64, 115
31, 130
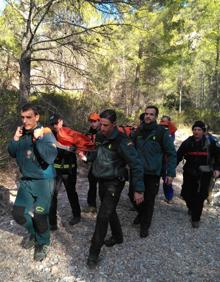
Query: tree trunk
136, 92
217, 67
25, 75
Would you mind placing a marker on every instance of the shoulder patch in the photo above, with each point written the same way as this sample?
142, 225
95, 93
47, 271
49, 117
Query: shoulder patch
39, 209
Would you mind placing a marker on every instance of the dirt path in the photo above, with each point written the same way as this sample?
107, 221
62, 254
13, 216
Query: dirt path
172, 252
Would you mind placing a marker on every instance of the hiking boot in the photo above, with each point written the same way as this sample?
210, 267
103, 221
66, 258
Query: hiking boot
137, 220
90, 209
195, 224
144, 232
112, 241
170, 202
53, 227
92, 261
40, 252
74, 220
28, 243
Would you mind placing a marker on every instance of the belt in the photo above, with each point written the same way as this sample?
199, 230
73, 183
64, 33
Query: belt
28, 178
64, 165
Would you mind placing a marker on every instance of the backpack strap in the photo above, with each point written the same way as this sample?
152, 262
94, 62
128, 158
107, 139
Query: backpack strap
116, 142
137, 133
160, 131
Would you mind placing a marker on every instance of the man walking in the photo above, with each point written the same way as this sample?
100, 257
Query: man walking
66, 170
113, 152
202, 155
167, 188
35, 151
94, 120
152, 141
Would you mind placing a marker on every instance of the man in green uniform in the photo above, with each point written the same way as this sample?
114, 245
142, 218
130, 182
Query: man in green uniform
35, 151
113, 152
152, 141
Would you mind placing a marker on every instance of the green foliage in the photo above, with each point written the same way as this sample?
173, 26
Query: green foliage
8, 119
73, 107
10, 23
150, 53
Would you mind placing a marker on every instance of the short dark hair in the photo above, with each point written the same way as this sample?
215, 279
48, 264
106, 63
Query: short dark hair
29, 106
141, 117
54, 118
153, 107
109, 114
167, 117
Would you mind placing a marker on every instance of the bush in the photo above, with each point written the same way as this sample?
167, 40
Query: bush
211, 118
8, 120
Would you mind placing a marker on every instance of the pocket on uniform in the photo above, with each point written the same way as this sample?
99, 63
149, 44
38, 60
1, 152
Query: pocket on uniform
115, 191
52, 186
112, 190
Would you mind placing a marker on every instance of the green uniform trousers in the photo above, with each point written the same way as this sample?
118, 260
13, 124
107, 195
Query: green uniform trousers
31, 207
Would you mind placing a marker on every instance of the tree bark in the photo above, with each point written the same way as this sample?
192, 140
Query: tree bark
25, 74
136, 92
217, 67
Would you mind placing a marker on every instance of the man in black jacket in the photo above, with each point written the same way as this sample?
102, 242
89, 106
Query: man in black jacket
202, 155
113, 152
66, 170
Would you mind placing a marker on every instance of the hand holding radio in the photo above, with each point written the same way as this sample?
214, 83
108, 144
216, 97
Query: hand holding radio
18, 133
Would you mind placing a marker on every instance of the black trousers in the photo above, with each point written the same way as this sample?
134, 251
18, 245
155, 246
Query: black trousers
68, 178
109, 192
195, 191
91, 197
146, 209
131, 190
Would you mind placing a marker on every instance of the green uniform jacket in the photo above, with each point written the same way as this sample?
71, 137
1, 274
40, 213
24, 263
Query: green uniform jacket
112, 155
152, 148
35, 158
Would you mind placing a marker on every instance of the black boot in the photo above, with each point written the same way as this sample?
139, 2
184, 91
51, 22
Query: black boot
74, 220
28, 243
112, 241
195, 224
92, 261
144, 232
137, 220
40, 252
